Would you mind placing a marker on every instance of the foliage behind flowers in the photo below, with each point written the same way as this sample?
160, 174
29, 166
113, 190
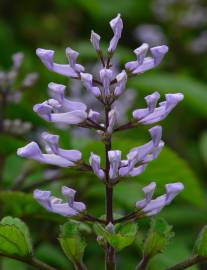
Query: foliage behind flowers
184, 132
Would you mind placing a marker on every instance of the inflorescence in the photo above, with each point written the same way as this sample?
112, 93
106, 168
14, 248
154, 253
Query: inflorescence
107, 89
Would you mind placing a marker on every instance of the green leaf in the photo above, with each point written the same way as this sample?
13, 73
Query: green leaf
52, 255
201, 243
7, 264
203, 146
123, 236
158, 237
14, 237
12, 168
194, 91
177, 251
71, 242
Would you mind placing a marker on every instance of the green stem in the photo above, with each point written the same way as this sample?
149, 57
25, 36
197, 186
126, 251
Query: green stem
189, 262
30, 261
80, 266
143, 264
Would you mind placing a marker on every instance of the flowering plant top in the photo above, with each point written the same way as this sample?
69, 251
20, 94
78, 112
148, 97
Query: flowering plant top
107, 88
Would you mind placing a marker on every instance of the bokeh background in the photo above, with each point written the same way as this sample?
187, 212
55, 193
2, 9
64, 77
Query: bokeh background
182, 25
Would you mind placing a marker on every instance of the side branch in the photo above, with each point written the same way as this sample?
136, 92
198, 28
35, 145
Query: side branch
132, 216
30, 261
129, 125
189, 262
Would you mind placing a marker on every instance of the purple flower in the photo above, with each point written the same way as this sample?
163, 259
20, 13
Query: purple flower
44, 110
95, 162
60, 109
139, 157
71, 70
153, 114
55, 155
152, 207
53, 204
116, 26
143, 63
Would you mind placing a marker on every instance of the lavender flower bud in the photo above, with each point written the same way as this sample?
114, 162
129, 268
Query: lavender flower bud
148, 191
115, 161
72, 57
117, 26
106, 76
140, 53
95, 40
121, 83
55, 205
30, 80
17, 59
94, 116
95, 163
110, 228
112, 121
87, 80
139, 157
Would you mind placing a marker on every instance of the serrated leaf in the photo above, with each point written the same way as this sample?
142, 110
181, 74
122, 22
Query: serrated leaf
71, 242
201, 243
158, 237
14, 237
123, 236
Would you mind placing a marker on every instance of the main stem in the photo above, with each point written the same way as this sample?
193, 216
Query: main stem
110, 261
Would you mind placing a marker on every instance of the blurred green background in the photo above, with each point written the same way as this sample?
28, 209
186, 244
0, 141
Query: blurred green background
182, 25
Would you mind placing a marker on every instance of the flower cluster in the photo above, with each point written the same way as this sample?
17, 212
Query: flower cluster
11, 92
55, 205
107, 87
8, 79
